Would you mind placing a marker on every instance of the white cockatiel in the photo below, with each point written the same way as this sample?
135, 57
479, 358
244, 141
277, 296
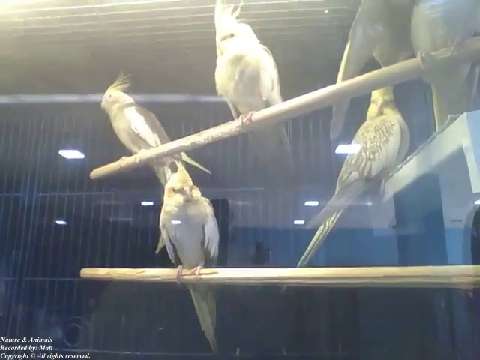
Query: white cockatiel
440, 24
137, 128
246, 76
383, 141
189, 230
380, 30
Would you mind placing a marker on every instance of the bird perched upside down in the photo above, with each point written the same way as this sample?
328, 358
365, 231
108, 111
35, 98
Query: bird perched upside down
384, 141
246, 76
188, 229
380, 30
445, 24
137, 128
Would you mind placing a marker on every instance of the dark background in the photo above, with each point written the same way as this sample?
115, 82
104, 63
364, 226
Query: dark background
79, 47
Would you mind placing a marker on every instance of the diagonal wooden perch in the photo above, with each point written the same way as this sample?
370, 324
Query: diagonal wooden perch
391, 75
454, 276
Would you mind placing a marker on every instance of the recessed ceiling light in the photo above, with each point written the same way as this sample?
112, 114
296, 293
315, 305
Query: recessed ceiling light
176, 222
148, 203
347, 149
71, 154
311, 203
326, 11
368, 203
299, 222
60, 222
477, 202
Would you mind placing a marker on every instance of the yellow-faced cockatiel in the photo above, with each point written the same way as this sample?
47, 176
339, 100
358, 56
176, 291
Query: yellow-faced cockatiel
380, 31
137, 128
246, 76
439, 24
189, 230
383, 141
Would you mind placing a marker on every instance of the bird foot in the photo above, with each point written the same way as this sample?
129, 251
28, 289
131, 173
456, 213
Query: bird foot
246, 119
139, 155
437, 63
197, 270
179, 273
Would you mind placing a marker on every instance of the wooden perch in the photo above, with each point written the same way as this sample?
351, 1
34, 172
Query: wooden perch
391, 75
457, 276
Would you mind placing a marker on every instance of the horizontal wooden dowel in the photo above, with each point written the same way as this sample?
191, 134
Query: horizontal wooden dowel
457, 276
391, 75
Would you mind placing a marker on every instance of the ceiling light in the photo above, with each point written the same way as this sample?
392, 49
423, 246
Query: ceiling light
148, 203
299, 222
347, 149
325, 11
176, 222
60, 222
311, 203
71, 154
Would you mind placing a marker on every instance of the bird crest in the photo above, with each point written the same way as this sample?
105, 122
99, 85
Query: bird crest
225, 14
122, 83
183, 177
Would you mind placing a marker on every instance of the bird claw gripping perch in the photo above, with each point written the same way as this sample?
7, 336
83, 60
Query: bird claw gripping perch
195, 271
435, 64
179, 273
246, 119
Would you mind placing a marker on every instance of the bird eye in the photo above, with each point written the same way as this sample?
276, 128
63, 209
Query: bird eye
226, 37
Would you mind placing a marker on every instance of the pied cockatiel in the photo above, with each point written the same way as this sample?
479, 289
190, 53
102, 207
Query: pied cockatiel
137, 128
380, 31
189, 230
383, 141
246, 76
437, 25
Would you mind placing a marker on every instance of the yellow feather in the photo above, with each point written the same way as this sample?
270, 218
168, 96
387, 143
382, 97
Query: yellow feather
122, 83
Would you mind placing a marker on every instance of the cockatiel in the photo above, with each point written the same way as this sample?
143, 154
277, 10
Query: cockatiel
383, 141
137, 128
246, 76
380, 30
188, 229
439, 24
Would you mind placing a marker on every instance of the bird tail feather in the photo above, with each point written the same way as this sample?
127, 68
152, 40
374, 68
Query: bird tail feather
273, 150
162, 172
341, 200
319, 238
205, 307
193, 163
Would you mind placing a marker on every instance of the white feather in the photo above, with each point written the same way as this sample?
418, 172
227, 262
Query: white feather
141, 128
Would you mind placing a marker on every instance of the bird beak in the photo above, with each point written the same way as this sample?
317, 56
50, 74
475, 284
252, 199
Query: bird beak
187, 191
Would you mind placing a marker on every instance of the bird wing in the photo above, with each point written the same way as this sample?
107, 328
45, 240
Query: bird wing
146, 125
211, 235
269, 79
166, 239
364, 35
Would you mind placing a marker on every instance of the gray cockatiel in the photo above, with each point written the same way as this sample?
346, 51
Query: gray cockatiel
380, 30
383, 141
137, 128
246, 76
188, 229
439, 24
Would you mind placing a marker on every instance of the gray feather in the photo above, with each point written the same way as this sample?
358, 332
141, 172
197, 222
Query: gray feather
204, 302
380, 30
